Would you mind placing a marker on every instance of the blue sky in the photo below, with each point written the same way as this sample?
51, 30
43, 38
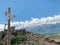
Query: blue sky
27, 9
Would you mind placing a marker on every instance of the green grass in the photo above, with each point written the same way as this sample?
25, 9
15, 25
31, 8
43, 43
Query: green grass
37, 42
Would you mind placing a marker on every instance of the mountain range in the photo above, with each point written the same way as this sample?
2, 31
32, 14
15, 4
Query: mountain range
45, 28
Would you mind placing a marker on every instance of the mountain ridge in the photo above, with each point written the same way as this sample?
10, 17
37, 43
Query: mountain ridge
46, 28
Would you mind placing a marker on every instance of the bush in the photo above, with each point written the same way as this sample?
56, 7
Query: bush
17, 40
14, 33
14, 40
1, 43
57, 42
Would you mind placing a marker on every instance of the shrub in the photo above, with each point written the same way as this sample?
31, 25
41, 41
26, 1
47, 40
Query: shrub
17, 40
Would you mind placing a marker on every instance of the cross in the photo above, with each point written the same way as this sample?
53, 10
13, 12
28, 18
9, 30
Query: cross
10, 16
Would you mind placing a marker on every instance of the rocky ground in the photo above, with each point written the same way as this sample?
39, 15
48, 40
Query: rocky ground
43, 42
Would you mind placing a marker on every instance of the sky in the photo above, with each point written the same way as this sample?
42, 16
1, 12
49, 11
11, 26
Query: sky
28, 10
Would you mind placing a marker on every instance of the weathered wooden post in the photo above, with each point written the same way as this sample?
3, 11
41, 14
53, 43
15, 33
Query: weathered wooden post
10, 16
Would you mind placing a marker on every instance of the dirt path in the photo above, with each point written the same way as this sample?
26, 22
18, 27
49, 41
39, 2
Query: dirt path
42, 42
50, 43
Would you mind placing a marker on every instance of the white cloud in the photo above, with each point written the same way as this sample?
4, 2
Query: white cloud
1, 27
34, 22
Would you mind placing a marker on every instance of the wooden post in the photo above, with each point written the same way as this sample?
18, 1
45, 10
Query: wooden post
10, 16
9, 32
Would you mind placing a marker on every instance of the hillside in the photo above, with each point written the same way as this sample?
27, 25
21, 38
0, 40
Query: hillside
20, 37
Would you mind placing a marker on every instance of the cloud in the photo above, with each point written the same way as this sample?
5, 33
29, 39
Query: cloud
37, 21
1, 27
34, 22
